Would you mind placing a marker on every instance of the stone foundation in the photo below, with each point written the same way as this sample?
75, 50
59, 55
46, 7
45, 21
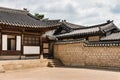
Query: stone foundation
76, 54
22, 64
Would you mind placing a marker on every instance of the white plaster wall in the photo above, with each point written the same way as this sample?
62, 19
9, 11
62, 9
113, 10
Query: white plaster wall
18, 43
4, 42
31, 49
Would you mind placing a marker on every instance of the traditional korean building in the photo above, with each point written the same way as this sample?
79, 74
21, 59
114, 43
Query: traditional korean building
21, 32
89, 33
67, 27
96, 46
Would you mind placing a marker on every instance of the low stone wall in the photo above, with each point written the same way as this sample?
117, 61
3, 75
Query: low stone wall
76, 54
22, 64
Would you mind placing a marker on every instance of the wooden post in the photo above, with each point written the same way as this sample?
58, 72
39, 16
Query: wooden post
22, 43
0, 42
41, 48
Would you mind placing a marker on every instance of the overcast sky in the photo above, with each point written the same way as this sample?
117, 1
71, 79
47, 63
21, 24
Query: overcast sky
84, 12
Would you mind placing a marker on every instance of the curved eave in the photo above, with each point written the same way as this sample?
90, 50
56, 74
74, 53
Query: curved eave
72, 26
80, 35
29, 26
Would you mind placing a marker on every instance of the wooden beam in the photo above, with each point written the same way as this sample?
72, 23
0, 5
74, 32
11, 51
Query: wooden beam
10, 32
30, 33
10, 52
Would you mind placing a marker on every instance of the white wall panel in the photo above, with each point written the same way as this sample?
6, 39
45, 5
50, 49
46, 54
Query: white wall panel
18, 43
31, 49
4, 42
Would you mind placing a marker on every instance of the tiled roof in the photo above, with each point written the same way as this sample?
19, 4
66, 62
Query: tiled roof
79, 32
113, 36
72, 26
23, 18
91, 30
108, 27
105, 27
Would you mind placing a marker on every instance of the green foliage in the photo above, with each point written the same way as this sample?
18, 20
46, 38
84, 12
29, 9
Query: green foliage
40, 16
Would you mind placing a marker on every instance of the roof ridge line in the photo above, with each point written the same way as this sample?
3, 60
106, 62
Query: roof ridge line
102, 24
72, 23
13, 10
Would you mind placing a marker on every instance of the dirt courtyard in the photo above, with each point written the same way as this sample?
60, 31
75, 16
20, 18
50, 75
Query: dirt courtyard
60, 74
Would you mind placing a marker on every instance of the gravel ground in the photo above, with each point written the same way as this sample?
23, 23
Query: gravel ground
60, 74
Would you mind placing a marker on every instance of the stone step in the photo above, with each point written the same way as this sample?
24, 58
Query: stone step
52, 64
55, 63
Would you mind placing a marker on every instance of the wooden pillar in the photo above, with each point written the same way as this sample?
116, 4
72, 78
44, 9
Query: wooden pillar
41, 47
0, 42
22, 43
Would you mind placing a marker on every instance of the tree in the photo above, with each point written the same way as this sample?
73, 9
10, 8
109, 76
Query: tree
39, 16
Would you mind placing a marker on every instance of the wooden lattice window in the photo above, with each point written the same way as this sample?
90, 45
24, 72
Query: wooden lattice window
31, 40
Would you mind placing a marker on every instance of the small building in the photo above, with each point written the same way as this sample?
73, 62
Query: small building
95, 46
21, 33
90, 33
67, 27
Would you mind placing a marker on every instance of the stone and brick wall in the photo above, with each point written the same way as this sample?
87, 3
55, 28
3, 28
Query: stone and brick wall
76, 54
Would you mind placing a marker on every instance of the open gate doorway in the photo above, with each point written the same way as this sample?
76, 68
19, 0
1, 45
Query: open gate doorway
48, 50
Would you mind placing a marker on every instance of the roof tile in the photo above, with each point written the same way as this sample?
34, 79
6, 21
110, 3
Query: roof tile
23, 18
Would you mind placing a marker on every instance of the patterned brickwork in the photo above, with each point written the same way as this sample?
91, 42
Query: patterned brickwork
76, 54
